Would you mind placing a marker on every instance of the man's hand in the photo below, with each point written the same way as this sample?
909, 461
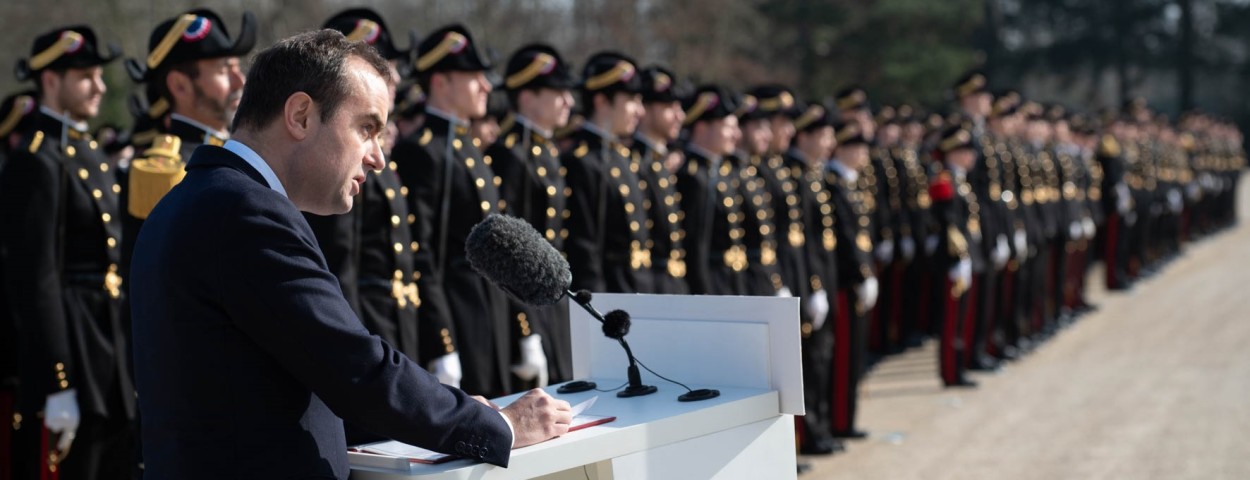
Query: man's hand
537, 417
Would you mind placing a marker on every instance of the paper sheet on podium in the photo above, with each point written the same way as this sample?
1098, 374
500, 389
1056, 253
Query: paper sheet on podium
415, 454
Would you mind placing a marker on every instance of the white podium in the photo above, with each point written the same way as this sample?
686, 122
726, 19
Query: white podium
745, 347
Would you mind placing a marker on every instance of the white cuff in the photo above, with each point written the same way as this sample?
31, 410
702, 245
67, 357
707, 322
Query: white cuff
511, 431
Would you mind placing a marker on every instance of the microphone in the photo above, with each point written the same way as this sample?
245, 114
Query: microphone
511, 254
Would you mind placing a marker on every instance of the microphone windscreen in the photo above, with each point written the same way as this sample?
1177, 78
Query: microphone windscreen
616, 324
516, 258
582, 297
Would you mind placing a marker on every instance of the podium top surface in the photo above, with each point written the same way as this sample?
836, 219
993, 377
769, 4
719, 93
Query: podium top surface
641, 423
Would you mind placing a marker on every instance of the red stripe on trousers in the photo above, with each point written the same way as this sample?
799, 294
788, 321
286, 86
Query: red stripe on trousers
46, 471
970, 319
842, 364
1109, 252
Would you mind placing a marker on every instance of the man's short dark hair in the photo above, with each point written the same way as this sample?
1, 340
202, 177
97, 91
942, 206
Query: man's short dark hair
311, 62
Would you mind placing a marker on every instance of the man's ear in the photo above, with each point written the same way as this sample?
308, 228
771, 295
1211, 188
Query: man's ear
178, 85
297, 115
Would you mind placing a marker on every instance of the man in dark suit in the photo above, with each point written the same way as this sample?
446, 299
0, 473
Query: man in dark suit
246, 352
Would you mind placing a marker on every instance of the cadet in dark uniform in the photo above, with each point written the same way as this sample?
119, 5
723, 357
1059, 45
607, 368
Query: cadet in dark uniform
711, 196
17, 119
538, 84
62, 248
763, 274
194, 82
956, 257
857, 281
812, 145
657, 159
370, 249
608, 234
451, 189
782, 189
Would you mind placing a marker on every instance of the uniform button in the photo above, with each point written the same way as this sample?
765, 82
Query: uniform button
104, 167
629, 208
551, 191
106, 217
82, 173
568, 191
71, 151
112, 242
390, 194
542, 171
551, 234
481, 183
403, 191
485, 206
456, 144
117, 188
392, 165
469, 162
498, 181
487, 160
412, 219
672, 218
477, 142
566, 214
536, 150
399, 247
633, 226
395, 220
551, 212
414, 246
93, 144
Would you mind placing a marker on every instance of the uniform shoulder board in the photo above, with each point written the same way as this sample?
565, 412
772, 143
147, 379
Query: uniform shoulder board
1108, 147
581, 150
510, 140
941, 188
35, 142
426, 136
152, 177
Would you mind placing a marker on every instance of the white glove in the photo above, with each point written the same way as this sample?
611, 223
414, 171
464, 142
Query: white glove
1175, 202
885, 251
533, 360
1124, 198
447, 369
1075, 231
785, 292
1021, 241
1130, 219
1193, 191
930, 244
867, 292
60, 415
1090, 229
1002, 252
907, 247
961, 273
818, 304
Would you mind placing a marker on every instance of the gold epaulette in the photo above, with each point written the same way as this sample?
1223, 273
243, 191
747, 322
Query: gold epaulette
155, 175
1108, 146
35, 142
582, 150
426, 135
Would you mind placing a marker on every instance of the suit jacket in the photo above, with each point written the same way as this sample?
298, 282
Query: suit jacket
247, 355
61, 239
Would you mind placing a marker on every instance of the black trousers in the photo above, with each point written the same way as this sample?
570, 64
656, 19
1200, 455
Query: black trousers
103, 449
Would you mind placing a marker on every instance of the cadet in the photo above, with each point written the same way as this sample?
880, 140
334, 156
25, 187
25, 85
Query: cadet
763, 274
539, 86
810, 237
653, 149
607, 237
62, 248
442, 166
711, 196
857, 294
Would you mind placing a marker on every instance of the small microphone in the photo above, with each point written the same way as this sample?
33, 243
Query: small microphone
511, 254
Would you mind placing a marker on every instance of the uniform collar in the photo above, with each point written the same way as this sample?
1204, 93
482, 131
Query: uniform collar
847, 173
452, 119
191, 130
597, 130
529, 125
80, 127
658, 148
700, 151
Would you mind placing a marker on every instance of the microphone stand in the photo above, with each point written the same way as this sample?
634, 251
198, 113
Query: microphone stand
635, 388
